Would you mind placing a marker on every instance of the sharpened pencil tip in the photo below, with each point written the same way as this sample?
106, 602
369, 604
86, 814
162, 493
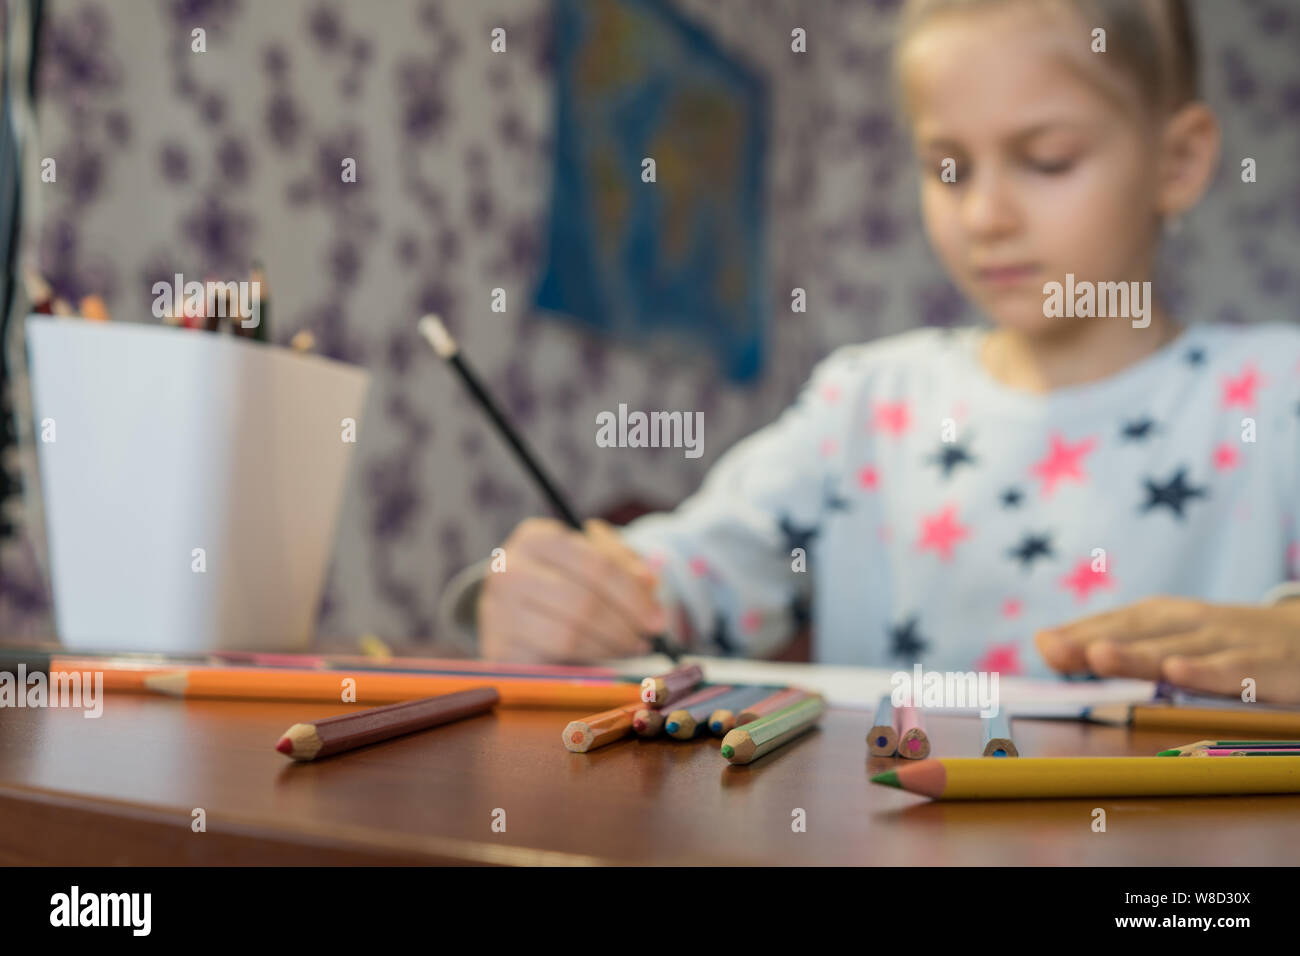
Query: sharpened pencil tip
889, 778
728, 751
1170, 753
438, 337
285, 746
671, 726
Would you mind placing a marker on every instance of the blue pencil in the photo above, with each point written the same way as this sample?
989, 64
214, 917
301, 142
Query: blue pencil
882, 738
997, 736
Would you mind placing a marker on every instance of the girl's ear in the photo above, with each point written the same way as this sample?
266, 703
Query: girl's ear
1189, 157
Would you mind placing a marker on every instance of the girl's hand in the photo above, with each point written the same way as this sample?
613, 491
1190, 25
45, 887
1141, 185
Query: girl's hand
1193, 644
567, 597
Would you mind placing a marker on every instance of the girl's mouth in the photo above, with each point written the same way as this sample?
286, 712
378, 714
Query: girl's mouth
1006, 276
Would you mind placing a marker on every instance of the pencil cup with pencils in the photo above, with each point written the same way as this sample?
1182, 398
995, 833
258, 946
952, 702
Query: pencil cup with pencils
191, 483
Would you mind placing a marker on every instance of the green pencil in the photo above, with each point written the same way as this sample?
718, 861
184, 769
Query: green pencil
762, 736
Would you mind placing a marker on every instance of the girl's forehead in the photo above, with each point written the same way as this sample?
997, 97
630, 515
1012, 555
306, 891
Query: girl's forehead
1007, 66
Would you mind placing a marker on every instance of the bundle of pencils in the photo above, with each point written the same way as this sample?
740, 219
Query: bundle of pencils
676, 703
644, 717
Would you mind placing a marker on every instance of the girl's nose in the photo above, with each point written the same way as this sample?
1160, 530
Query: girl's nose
989, 207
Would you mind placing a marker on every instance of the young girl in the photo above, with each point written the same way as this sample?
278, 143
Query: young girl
1120, 488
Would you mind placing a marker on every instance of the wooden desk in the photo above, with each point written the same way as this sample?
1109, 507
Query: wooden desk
120, 790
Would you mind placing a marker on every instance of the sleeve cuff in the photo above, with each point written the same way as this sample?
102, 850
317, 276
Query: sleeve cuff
1286, 591
458, 608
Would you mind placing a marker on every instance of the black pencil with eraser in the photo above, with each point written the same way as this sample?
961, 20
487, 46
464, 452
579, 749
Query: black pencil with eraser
448, 349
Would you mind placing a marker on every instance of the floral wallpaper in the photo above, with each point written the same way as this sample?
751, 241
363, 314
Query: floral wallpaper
171, 160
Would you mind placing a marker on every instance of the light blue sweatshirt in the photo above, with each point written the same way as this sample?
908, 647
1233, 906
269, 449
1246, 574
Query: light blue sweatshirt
918, 510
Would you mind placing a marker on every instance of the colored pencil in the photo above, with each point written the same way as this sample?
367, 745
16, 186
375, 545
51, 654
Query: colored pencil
648, 722
1157, 717
38, 655
599, 729
1238, 752
974, 778
746, 744
128, 675
331, 735
447, 349
912, 740
125, 672
692, 713
997, 736
770, 705
724, 718
666, 688
882, 738
1187, 749
377, 688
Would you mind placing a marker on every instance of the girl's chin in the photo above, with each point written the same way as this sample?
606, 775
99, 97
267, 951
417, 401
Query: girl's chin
1026, 317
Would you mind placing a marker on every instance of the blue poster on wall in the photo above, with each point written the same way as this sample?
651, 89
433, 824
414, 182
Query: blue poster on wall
656, 229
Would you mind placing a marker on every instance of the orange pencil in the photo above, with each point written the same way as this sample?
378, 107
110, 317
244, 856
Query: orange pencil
1225, 721
599, 729
374, 687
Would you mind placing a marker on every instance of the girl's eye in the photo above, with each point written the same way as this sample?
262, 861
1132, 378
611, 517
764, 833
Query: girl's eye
1052, 167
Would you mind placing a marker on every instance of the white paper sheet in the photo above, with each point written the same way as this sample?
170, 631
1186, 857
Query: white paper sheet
862, 687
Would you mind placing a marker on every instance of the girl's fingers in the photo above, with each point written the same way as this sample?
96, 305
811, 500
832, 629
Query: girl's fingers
1275, 670
570, 619
599, 567
1064, 647
1143, 659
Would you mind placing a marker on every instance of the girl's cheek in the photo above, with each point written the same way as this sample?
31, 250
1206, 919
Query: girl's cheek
941, 212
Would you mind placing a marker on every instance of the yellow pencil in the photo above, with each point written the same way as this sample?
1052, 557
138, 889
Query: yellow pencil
975, 778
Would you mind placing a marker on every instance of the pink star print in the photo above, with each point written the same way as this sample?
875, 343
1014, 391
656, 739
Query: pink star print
868, 478
1226, 457
699, 567
1241, 390
892, 417
1000, 659
1083, 579
941, 531
1011, 608
1063, 461
750, 621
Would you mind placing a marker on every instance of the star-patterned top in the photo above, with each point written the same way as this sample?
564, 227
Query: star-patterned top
914, 508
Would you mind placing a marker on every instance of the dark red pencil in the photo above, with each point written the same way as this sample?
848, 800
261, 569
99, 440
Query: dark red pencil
332, 735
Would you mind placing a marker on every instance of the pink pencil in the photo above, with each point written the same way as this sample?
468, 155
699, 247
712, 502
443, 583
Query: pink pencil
1247, 752
912, 741
782, 698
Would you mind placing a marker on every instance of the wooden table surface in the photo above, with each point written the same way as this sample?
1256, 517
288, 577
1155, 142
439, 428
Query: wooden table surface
122, 789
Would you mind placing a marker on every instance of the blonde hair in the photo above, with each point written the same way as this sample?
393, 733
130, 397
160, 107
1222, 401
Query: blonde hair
1154, 41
